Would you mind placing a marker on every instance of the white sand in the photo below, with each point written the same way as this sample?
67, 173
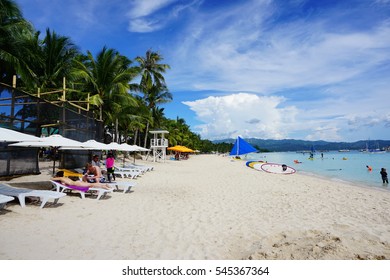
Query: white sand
207, 207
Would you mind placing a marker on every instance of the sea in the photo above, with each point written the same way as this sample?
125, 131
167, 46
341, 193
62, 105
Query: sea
348, 166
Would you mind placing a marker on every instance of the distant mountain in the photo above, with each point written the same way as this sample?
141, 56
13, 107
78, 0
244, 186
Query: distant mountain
286, 145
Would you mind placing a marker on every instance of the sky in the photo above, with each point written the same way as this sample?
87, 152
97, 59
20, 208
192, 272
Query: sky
269, 69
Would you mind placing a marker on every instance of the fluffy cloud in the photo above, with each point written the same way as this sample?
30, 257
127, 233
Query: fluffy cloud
243, 114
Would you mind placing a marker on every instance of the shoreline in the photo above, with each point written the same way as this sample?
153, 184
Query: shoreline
207, 207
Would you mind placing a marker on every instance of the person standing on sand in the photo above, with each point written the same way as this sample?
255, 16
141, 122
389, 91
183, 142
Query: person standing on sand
110, 162
384, 176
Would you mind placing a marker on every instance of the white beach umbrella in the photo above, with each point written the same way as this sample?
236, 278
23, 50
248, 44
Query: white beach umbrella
88, 145
114, 146
9, 135
92, 144
128, 148
55, 141
140, 149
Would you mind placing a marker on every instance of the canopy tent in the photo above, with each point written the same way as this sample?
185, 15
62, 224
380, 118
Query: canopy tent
241, 147
55, 141
9, 135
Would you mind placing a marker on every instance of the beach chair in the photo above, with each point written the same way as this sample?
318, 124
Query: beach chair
143, 168
4, 199
127, 172
126, 186
22, 193
61, 188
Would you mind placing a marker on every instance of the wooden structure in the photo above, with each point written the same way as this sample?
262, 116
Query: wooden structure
159, 144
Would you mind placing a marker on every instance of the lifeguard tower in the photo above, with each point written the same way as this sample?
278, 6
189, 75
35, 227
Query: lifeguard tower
159, 144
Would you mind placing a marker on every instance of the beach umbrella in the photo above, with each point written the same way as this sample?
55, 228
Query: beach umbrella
88, 145
9, 135
139, 149
182, 149
114, 146
55, 141
93, 144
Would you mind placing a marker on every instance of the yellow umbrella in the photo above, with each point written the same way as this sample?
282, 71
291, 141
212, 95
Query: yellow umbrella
182, 149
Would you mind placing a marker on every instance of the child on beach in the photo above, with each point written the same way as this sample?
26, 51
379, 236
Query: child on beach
384, 176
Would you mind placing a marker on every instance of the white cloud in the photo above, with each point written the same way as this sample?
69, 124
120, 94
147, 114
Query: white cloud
147, 16
142, 8
242, 114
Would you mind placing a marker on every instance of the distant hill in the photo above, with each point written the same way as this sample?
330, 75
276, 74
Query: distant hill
286, 145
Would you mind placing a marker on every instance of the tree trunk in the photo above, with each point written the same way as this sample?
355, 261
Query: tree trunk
135, 136
146, 133
116, 131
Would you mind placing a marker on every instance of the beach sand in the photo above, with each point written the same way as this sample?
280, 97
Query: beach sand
207, 207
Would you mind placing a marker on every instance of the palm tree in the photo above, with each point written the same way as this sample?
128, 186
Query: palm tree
151, 70
154, 95
107, 78
49, 61
13, 29
152, 83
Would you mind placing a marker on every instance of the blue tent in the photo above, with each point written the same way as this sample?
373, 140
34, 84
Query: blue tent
241, 147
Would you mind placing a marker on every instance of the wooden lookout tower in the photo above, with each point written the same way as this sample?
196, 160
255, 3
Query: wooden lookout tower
159, 144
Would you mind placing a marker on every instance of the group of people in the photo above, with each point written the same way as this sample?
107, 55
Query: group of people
93, 176
94, 173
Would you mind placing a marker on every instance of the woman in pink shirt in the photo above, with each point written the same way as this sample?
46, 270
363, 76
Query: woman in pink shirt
110, 162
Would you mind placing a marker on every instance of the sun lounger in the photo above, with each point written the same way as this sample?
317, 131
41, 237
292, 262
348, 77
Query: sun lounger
127, 172
22, 193
139, 166
4, 199
126, 186
59, 187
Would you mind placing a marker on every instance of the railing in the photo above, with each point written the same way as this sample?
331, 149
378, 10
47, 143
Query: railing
158, 143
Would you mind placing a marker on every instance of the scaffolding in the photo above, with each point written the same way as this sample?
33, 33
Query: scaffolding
29, 113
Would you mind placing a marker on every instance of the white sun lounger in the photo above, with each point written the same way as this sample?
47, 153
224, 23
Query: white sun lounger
4, 199
126, 186
60, 188
139, 166
127, 172
22, 193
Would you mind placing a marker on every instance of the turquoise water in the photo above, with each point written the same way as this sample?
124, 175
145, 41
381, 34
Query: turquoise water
332, 165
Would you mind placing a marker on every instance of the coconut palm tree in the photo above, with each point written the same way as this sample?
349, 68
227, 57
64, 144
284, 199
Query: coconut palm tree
154, 95
49, 61
13, 29
107, 78
151, 69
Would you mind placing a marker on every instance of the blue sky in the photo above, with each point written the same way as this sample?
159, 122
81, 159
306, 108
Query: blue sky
271, 69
